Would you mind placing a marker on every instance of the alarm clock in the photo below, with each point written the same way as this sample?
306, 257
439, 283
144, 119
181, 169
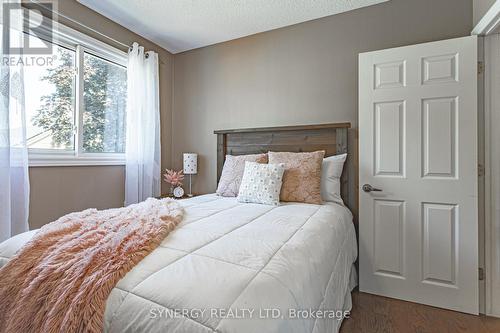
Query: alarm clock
178, 192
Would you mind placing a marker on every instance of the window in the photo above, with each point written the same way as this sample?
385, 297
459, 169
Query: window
76, 102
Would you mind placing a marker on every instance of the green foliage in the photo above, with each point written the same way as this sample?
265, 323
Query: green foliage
104, 97
56, 110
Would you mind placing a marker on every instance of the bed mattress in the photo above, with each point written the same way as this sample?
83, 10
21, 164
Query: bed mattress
238, 267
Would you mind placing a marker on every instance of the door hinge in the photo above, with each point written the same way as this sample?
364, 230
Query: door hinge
480, 67
481, 274
480, 170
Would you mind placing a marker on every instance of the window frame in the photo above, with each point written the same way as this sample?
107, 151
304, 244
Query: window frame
81, 43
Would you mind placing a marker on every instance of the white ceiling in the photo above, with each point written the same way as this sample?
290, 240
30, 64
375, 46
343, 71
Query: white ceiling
181, 25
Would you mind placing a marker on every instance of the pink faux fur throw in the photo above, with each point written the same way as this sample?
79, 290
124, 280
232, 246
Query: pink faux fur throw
61, 279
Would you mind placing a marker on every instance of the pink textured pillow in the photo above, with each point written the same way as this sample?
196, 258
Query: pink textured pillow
232, 173
302, 177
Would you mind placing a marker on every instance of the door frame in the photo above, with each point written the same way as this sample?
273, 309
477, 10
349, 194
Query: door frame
491, 102
489, 27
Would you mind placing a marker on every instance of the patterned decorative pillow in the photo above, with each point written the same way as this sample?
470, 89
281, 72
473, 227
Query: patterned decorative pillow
232, 172
302, 177
261, 183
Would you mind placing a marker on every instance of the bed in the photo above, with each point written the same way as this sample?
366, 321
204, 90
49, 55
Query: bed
240, 267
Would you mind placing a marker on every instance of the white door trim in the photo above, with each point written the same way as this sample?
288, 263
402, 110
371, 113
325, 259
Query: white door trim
488, 26
481, 177
489, 22
492, 171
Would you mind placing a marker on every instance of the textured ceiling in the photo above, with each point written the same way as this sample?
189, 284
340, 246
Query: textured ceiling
180, 25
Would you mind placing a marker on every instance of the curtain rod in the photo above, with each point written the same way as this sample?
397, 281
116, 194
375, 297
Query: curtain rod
36, 2
125, 46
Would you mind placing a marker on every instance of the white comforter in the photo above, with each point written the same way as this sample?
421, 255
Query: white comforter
233, 267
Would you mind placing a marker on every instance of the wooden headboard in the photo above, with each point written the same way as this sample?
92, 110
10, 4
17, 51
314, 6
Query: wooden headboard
332, 138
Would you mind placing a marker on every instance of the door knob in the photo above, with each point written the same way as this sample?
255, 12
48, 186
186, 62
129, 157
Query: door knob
369, 188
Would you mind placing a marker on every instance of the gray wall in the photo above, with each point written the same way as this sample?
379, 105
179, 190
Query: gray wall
302, 74
56, 191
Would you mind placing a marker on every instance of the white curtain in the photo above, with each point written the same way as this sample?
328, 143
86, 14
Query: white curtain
14, 182
143, 168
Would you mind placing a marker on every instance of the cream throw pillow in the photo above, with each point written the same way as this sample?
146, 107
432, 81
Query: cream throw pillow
302, 177
331, 171
232, 172
261, 183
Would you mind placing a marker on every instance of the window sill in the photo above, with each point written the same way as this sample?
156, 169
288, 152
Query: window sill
37, 160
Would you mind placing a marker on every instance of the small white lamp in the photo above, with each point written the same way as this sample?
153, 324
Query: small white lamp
190, 167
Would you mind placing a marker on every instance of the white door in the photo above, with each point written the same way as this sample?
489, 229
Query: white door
418, 236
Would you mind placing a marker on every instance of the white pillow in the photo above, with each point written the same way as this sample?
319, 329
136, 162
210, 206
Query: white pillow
261, 183
331, 170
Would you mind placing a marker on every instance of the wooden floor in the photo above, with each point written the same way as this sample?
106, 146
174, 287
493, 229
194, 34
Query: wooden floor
374, 314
